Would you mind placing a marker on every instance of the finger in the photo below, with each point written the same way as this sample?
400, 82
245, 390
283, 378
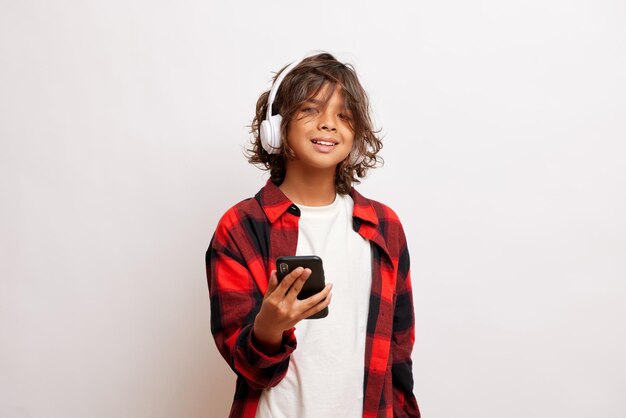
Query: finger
298, 284
318, 307
318, 297
288, 280
272, 283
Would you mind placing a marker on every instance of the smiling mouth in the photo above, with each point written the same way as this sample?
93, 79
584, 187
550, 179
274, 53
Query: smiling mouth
323, 142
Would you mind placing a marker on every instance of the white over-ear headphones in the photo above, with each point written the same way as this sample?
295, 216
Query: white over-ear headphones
270, 134
355, 157
270, 127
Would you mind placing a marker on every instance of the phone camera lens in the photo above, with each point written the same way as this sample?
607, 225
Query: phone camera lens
284, 268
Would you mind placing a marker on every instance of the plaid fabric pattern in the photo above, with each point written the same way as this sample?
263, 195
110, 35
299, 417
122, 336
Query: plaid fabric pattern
239, 260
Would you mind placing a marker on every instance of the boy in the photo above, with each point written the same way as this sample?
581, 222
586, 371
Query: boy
314, 134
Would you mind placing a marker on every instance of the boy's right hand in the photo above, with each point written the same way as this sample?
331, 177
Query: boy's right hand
281, 309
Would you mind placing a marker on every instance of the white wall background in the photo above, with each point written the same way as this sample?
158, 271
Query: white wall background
121, 127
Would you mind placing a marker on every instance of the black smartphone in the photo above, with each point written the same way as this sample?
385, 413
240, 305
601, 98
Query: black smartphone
314, 284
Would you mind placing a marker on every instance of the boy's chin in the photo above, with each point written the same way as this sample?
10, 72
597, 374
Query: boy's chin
318, 164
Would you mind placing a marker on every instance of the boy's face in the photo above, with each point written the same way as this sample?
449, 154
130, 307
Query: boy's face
320, 133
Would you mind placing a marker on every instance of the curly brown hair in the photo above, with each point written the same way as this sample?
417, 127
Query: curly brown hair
305, 81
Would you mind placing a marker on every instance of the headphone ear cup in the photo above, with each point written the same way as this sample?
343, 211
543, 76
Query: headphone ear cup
356, 158
270, 134
265, 133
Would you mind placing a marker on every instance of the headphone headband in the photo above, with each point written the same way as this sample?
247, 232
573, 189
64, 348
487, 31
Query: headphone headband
270, 128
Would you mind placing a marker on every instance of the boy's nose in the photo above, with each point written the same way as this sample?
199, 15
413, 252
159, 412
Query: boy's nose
326, 123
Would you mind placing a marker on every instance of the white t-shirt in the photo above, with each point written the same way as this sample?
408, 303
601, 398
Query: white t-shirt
326, 371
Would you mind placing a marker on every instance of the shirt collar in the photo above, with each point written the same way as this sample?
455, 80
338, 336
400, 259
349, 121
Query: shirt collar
363, 208
274, 203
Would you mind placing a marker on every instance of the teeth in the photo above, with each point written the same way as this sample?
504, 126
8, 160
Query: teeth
324, 143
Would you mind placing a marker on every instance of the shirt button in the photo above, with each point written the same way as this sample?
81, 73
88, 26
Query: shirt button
294, 210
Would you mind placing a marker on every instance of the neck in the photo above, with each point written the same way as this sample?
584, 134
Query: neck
309, 187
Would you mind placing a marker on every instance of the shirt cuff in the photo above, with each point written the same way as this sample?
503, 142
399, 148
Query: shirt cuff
263, 359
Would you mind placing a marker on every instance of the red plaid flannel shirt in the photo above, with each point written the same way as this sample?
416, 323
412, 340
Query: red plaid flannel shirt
247, 241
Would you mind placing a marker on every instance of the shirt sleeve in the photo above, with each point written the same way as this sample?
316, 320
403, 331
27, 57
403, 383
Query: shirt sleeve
403, 338
235, 302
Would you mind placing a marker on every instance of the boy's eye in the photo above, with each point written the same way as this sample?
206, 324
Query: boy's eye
307, 109
345, 116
